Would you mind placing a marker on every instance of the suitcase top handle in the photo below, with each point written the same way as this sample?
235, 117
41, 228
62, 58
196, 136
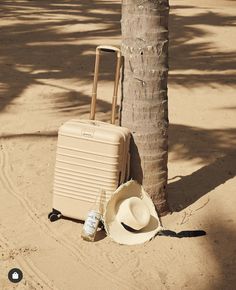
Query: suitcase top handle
106, 48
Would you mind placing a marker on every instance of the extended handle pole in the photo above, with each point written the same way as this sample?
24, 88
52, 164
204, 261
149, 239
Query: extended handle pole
95, 84
95, 81
115, 92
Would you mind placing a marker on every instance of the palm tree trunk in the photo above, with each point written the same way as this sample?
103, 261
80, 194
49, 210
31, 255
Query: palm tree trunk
144, 107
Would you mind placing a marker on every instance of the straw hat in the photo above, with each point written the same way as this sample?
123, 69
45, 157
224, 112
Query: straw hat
130, 216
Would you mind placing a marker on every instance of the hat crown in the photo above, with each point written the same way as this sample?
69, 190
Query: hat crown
134, 213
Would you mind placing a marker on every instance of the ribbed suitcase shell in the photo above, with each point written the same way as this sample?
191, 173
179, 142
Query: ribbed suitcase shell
91, 155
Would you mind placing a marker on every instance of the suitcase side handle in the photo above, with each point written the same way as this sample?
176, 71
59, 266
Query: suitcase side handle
106, 48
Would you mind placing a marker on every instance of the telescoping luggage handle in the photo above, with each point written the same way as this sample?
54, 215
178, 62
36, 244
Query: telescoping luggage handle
95, 81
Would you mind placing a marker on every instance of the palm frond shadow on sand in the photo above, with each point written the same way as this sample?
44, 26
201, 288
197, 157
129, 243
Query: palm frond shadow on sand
55, 41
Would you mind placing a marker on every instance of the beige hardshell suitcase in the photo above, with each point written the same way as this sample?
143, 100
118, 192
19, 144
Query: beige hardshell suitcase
91, 155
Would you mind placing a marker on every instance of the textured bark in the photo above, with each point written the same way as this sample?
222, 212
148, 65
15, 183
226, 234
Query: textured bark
144, 106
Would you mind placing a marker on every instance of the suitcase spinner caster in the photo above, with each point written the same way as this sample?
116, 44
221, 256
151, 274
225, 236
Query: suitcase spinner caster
54, 215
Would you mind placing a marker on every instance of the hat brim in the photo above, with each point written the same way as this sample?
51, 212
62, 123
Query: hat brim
116, 230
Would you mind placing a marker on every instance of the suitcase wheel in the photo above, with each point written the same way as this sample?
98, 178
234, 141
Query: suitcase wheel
54, 215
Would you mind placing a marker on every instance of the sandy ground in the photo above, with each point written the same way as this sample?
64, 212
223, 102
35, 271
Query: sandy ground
46, 60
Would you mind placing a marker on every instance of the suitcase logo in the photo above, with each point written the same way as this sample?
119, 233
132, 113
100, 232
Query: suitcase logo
88, 134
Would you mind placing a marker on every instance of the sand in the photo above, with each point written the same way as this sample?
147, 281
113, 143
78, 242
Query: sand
46, 60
